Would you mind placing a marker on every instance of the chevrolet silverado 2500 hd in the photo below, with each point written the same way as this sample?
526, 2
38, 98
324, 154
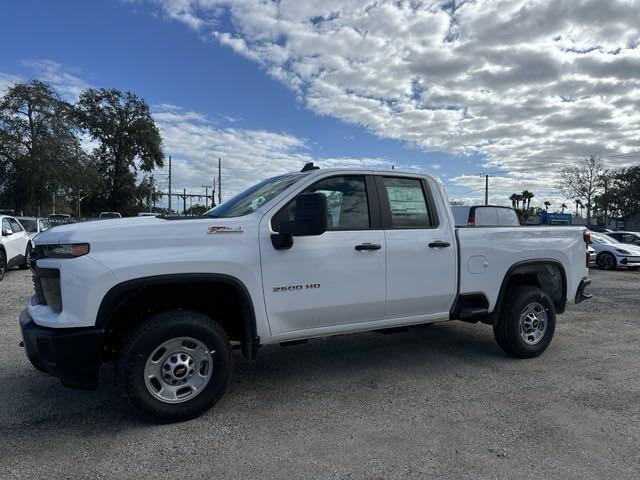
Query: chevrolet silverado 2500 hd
297, 256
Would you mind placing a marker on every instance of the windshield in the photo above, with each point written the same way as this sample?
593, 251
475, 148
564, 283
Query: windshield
602, 238
29, 225
254, 197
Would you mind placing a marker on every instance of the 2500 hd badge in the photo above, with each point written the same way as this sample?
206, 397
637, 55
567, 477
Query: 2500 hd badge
292, 288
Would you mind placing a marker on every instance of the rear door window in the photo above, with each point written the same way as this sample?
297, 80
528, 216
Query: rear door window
407, 202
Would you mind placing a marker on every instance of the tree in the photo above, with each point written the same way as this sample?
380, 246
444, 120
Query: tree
582, 181
129, 141
38, 144
562, 207
622, 195
547, 204
514, 198
526, 197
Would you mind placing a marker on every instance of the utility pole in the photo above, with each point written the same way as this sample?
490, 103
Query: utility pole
486, 189
486, 176
219, 181
184, 201
206, 194
169, 184
152, 198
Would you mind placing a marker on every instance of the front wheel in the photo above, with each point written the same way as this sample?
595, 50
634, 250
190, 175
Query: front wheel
527, 322
606, 261
175, 366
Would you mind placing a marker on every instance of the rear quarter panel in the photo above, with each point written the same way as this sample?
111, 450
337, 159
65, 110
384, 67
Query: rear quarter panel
487, 254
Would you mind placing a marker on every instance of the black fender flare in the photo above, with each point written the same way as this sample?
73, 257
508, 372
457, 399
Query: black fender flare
251, 341
560, 305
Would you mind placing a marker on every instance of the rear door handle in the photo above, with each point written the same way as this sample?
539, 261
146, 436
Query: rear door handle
368, 246
439, 244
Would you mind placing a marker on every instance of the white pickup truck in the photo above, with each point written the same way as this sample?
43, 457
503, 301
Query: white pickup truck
297, 256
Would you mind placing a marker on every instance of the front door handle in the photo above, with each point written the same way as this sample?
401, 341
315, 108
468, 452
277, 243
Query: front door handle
439, 244
368, 246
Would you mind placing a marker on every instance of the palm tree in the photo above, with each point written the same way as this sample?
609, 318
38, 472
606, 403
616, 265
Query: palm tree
547, 204
562, 207
519, 198
527, 196
513, 198
578, 204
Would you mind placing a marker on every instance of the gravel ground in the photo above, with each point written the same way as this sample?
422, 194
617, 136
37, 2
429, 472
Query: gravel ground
435, 402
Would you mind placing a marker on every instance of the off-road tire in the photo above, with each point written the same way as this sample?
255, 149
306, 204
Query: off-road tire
507, 331
143, 341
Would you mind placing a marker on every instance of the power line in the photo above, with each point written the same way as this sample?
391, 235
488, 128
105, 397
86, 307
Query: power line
622, 155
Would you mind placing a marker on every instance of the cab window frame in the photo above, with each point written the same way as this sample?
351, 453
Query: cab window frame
371, 195
385, 204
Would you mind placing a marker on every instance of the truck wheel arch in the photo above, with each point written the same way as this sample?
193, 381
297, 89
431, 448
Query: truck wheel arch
549, 274
119, 296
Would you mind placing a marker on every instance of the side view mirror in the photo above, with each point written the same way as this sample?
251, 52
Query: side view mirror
310, 220
7, 231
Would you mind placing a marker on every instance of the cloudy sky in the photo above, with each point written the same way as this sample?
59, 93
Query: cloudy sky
516, 88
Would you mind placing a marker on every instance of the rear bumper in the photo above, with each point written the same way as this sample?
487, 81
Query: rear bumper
581, 294
72, 354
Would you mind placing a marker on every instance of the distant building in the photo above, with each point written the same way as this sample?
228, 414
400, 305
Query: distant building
632, 222
556, 218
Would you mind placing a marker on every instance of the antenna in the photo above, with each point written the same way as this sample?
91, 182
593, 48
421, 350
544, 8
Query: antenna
308, 167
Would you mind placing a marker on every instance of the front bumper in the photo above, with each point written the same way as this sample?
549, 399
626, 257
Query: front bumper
581, 294
72, 354
629, 261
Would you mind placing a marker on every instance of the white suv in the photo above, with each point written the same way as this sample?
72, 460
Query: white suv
14, 245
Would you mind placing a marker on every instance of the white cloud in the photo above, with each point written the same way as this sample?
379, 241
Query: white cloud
68, 85
196, 143
529, 84
6, 81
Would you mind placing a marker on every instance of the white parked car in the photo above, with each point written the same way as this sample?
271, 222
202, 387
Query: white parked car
34, 225
592, 256
298, 256
15, 245
612, 254
626, 237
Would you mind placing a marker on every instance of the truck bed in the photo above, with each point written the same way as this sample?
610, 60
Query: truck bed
486, 254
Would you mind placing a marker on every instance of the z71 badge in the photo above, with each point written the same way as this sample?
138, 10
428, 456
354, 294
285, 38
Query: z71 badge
218, 229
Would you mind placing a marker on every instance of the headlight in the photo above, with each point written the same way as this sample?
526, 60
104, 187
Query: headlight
623, 252
69, 250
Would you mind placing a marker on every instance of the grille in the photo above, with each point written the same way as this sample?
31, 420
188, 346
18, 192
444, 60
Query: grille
46, 283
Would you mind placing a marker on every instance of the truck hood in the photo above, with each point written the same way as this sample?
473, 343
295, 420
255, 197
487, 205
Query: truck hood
123, 231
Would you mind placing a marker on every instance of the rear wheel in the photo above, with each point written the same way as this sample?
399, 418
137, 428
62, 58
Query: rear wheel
175, 366
527, 322
3, 264
606, 260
